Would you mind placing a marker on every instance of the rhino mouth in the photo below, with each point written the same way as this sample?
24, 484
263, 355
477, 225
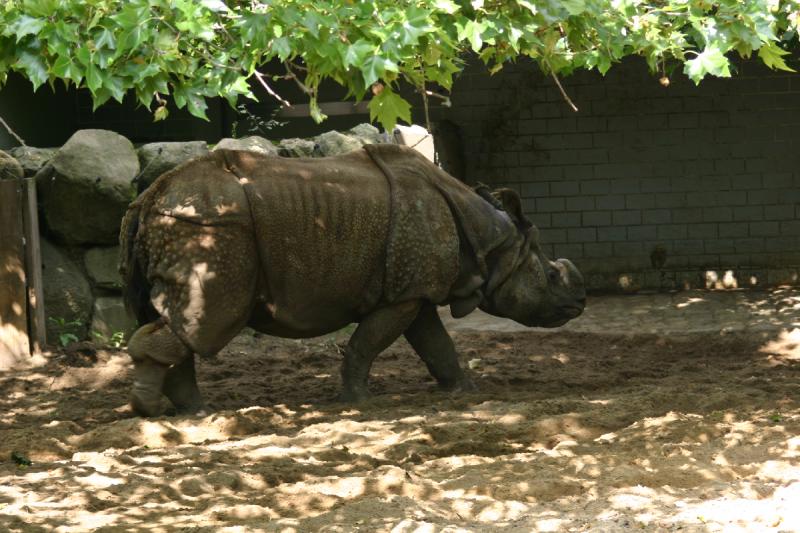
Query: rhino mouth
564, 315
572, 311
555, 323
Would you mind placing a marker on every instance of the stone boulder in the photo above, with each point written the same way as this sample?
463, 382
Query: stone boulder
67, 295
157, 158
87, 186
296, 148
10, 168
367, 134
334, 143
415, 137
110, 318
32, 159
253, 143
102, 267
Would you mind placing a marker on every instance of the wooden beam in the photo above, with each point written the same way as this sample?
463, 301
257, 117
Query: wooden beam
33, 268
14, 342
329, 108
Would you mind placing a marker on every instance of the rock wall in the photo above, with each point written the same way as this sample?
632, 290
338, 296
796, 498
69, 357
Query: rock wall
84, 189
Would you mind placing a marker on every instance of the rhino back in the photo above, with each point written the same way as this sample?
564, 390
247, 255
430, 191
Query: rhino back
321, 229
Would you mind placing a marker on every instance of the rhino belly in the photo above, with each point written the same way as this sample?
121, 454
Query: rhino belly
322, 246
298, 326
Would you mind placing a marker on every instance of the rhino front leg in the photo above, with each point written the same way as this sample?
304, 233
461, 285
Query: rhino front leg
154, 348
373, 335
429, 338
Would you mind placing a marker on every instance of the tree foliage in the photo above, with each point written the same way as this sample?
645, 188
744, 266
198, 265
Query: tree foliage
189, 50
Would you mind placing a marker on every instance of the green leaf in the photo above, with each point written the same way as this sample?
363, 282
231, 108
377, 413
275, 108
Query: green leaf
84, 55
448, 6
101, 96
199, 28
27, 25
413, 29
387, 106
131, 16
217, 6
357, 52
67, 31
282, 47
772, 56
34, 68
66, 69
131, 39
252, 27
575, 7
472, 30
530, 6
709, 61
373, 69
202, 47
41, 8
106, 39
179, 95
197, 105
115, 86
312, 22
603, 63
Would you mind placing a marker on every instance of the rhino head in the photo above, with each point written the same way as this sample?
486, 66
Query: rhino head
523, 283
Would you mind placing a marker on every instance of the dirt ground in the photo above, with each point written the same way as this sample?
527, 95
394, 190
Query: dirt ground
567, 432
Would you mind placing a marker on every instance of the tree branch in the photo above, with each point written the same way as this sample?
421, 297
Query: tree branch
560, 87
292, 76
13, 134
263, 82
424, 92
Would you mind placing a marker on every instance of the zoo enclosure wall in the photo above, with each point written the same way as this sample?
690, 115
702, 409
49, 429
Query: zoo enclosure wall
698, 181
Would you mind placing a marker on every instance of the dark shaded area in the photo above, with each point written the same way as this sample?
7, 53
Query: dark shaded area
49, 116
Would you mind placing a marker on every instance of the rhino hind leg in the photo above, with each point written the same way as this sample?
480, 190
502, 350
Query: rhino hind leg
154, 349
374, 333
429, 338
180, 387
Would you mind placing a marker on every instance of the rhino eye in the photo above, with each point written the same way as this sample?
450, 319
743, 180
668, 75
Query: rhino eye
553, 276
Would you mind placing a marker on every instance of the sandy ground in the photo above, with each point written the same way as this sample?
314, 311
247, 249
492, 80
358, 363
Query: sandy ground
569, 431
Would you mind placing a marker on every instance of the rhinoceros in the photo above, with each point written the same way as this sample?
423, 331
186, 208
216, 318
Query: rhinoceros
303, 247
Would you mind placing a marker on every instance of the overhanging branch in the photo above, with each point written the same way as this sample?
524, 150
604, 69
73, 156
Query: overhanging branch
12, 132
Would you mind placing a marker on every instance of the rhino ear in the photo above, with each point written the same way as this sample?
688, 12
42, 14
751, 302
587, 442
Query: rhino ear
512, 204
485, 192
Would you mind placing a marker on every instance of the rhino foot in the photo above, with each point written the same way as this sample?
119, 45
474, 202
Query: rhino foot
148, 379
199, 412
180, 386
354, 396
463, 384
145, 405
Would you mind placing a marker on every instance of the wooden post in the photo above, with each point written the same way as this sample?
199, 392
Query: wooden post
14, 342
33, 268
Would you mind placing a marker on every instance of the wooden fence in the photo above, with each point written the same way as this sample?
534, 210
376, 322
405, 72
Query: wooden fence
22, 325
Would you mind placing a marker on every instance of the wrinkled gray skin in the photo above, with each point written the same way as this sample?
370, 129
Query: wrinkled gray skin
302, 247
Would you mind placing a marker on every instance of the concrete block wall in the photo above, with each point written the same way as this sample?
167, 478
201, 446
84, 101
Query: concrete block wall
708, 175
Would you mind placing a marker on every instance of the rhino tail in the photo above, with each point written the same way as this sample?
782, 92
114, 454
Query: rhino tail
136, 287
